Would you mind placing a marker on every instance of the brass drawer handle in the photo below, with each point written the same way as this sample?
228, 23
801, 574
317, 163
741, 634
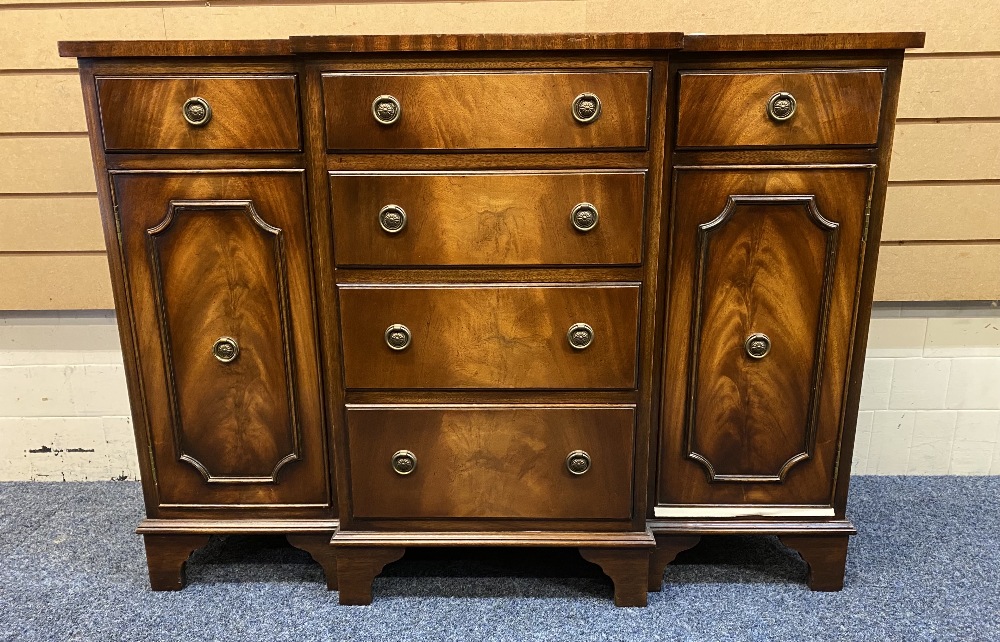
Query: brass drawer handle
781, 106
397, 336
584, 217
580, 335
386, 109
757, 345
392, 218
197, 111
226, 349
404, 462
578, 462
586, 108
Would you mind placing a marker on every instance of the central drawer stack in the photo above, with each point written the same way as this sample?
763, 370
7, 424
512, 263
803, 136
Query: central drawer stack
489, 240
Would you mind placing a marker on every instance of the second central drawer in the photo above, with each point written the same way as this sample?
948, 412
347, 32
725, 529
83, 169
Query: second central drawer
497, 336
488, 218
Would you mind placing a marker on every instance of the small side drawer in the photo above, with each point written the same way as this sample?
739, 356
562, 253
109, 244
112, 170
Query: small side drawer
487, 218
199, 113
779, 108
491, 462
486, 110
490, 336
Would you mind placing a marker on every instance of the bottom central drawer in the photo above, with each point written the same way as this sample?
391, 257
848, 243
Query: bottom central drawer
491, 462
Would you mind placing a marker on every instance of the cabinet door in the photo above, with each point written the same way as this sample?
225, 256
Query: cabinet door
764, 273
219, 284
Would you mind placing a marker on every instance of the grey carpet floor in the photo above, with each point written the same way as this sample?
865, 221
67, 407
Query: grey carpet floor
924, 566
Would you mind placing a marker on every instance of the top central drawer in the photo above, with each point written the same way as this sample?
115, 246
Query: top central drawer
487, 110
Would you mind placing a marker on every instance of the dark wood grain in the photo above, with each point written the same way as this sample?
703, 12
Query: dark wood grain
826, 556
667, 549
486, 42
778, 42
455, 110
172, 48
250, 113
201, 267
357, 568
318, 546
509, 218
491, 461
166, 557
490, 336
628, 570
729, 109
748, 423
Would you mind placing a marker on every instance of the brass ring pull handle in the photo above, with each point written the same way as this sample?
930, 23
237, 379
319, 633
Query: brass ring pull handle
757, 345
386, 109
781, 106
580, 335
584, 217
225, 349
392, 218
578, 462
586, 108
404, 462
197, 111
397, 336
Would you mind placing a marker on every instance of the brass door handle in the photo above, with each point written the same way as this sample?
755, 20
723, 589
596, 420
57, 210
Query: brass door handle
404, 462
386, 109
392, 218
397, 336
580, 335
757, 345
225, 349
584, 217
197, 111
578, 462
781, 106
586, 108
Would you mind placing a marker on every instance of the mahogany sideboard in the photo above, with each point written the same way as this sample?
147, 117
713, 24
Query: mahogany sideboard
602, 291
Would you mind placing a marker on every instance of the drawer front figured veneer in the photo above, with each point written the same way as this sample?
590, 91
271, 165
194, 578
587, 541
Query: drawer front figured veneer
500, 336
486, 110
173, 113
491, 462
779, 108
488, 218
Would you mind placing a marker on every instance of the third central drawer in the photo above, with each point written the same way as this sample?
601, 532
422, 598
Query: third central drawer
490, 336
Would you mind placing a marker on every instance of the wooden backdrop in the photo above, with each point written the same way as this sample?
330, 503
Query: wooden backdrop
942, 235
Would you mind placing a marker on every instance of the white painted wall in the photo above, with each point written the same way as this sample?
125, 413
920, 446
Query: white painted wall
930, 403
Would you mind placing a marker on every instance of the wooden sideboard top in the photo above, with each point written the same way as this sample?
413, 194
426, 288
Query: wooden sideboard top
488, 42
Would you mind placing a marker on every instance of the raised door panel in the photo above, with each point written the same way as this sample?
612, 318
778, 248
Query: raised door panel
218, 269
764, 274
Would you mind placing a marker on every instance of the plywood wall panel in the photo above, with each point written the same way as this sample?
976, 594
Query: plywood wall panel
952, 87
945, 151
949, 211
29, 36
279, 21
41, 164
55, 282
938, 272
50, 224
950, 26
49, 102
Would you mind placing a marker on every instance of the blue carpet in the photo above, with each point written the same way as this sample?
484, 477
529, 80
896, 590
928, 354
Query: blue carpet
924, 566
